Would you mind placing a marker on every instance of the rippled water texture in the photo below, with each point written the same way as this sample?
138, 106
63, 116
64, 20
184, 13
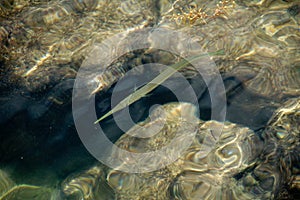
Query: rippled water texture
43, 43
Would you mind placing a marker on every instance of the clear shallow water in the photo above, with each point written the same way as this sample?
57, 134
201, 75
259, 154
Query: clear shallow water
44, 43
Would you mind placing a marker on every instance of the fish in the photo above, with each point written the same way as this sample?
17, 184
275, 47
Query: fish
146, 89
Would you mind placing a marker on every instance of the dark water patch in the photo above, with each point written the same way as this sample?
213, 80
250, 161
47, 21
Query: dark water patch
35, 104
294, 10
38, 137
245, 107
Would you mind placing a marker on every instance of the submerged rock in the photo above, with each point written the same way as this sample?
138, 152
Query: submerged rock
48, 40
283, 135
10, 191
235, 163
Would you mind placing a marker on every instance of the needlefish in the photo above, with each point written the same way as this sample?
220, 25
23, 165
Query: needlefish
143, 91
